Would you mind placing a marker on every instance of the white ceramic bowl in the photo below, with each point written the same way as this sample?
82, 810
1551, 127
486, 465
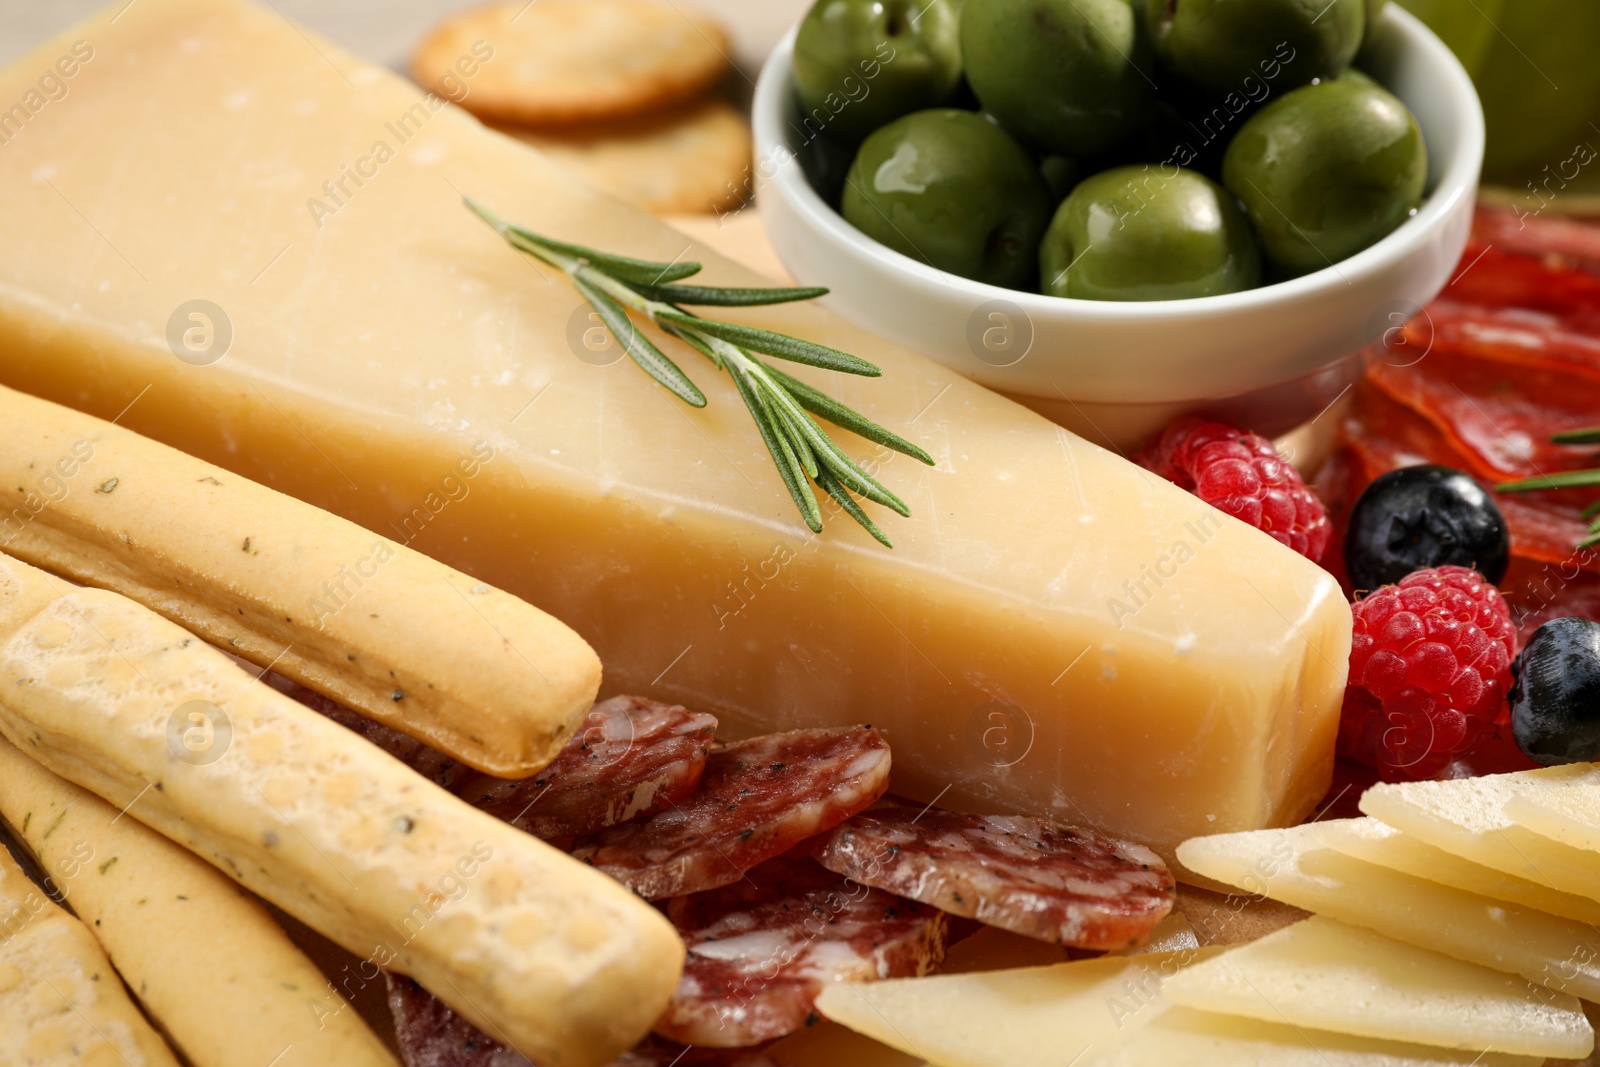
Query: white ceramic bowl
1271, 356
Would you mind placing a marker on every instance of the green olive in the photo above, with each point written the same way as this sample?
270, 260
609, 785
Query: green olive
1226, 46
1326, 171
859, 64
953, 190
1068, 77
1148, 233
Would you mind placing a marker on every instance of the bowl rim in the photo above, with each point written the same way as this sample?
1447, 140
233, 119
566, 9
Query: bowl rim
1458, 178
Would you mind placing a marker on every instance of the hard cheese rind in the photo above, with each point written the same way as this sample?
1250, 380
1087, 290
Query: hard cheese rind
1055, 630
542, 953
1324, 975
1468, 817
1293, 866
61, 1004
165, 916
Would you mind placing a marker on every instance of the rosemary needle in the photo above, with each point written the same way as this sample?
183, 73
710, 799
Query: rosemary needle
782, 406
1567, 479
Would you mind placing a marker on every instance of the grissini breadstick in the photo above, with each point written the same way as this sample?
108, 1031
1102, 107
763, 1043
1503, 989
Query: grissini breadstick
61, 1004
489, 678
166, 918
542, 953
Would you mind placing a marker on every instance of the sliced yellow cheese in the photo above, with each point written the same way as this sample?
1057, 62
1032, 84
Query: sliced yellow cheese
1375, 842
1324, 975
1029, 1017
1467, 817
164, 916
1294, 867
1054, 631
1182, 1036
544, 954
61, 1004
1561, 803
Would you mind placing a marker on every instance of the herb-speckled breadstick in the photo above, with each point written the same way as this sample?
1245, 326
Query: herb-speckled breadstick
459, 665
165, 917
542, 953
61, 1004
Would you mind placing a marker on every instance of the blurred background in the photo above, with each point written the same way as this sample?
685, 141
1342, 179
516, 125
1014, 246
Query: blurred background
386, 31
1536, 64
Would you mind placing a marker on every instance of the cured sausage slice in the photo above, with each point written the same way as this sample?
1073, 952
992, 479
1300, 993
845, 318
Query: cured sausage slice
761, 950
629, 759
430, 1034
756, 800
1066, 886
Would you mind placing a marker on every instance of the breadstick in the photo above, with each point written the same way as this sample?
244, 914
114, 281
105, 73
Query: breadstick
461, 666
542, 953
61, 1004
165, 917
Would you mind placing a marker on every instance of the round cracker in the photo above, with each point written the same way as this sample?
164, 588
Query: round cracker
691, 161
566, 62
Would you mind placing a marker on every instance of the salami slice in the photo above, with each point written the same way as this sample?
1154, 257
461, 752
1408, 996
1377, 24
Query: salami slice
428, 762
1066, 886
430, 1034
756, 800
629, 759
762, 949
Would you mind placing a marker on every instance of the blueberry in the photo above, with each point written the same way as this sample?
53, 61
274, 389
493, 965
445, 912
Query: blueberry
1555, 695
1418, 517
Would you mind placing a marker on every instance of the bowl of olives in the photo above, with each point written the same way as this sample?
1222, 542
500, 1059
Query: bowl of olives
1119, 210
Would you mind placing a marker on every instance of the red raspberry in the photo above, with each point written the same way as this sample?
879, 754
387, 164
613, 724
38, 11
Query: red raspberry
1430, 667
1242, 474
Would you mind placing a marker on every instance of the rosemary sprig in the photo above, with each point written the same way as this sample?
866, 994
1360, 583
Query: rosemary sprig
1567, 480
781, 405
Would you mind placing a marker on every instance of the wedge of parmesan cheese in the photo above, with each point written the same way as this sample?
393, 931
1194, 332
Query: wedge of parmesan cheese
61, 1004
1324, 975
165, 916
252, 246
546, 955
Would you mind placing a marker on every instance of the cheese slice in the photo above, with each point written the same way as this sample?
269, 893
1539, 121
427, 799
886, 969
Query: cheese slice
1182, 1036
1104, 1011
1561, 803
550, 957
1371, 840
1027, 1017
1468, 817
1293, 866
1324, 975
1055, 631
